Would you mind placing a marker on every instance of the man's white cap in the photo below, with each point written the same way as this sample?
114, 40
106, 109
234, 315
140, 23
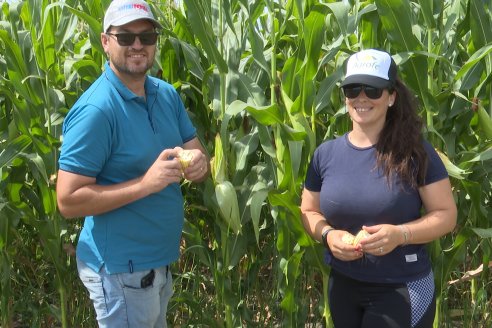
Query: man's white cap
371, 67
121, 12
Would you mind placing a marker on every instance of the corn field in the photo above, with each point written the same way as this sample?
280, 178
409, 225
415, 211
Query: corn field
259, 79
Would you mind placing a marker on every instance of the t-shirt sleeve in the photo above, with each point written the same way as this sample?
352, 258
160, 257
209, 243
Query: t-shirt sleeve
313, 177
86, 141
435, 169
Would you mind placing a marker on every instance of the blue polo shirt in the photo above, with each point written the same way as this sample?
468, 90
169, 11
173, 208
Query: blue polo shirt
114, 136
353, 193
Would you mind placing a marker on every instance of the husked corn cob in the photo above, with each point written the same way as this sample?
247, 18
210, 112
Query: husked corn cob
350, 239
360, 235
185, 157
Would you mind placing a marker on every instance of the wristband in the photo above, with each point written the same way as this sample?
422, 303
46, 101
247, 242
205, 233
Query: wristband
324, 235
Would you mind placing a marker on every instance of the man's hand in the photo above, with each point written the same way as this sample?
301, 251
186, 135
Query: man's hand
165, 171
196, 167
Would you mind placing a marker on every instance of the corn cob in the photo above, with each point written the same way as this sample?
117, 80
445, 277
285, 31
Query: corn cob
452, 169
185, 157
361, 235
350, 239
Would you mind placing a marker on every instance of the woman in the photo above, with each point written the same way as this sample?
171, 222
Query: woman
377, 178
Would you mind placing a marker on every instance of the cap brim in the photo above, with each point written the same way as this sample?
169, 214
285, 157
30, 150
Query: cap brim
371, 81
129, 19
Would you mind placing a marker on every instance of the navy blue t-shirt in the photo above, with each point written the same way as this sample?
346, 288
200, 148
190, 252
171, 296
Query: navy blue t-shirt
354, 192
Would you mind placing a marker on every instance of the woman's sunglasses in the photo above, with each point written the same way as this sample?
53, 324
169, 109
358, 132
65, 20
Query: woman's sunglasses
127, 39
353, 91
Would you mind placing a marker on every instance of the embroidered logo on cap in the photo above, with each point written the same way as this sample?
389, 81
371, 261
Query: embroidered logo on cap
131, 6
366, 62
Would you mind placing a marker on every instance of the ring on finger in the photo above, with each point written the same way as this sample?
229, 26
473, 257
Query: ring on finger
381, 250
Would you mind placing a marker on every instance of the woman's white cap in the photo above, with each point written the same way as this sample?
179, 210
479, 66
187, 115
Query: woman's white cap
371, 67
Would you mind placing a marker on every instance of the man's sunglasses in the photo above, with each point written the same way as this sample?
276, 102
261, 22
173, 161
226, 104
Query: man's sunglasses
127, 39
352, 91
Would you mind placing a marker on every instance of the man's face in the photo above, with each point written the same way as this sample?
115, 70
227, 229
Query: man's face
132, 60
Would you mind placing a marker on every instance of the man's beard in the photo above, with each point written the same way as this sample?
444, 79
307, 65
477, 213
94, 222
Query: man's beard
126, 69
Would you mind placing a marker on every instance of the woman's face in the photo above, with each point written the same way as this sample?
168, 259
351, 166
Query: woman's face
366, 111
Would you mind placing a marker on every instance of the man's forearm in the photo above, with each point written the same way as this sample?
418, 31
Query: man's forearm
96, 199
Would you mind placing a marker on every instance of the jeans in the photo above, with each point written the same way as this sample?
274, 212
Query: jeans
120, 301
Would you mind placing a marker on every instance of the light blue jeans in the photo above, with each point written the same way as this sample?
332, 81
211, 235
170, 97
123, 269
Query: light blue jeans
120, 302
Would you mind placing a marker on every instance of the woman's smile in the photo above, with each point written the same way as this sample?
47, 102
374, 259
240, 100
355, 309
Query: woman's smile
362, 109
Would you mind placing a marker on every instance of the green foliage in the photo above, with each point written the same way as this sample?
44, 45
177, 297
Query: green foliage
259, 78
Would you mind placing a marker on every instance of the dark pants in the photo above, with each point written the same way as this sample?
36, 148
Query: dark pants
357, 304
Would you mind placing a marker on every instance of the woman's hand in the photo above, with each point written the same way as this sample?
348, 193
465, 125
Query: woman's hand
384, 239
340, 249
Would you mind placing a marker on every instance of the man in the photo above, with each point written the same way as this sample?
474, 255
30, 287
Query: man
119, 168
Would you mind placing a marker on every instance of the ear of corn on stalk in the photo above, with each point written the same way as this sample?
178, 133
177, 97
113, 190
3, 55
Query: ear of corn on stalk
228, 204
218, 164
485, 122
452, 169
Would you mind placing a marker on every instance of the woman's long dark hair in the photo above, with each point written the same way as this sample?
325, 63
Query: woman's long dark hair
400, 150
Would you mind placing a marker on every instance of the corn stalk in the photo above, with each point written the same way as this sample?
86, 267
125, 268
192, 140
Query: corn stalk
259, 78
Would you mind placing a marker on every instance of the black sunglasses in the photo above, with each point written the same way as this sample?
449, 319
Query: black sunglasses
126, 39
353, 91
